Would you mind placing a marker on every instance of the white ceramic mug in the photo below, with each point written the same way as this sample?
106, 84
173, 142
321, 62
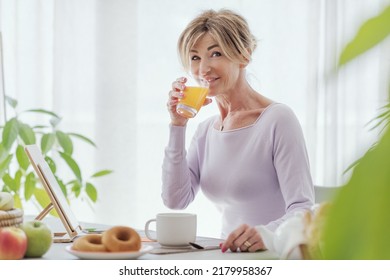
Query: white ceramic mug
173, 229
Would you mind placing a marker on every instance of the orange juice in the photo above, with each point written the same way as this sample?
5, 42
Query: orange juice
192, 101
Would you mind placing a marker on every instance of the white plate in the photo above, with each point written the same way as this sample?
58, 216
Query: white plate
109, 255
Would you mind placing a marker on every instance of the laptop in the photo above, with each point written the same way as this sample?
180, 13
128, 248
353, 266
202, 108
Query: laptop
57, 198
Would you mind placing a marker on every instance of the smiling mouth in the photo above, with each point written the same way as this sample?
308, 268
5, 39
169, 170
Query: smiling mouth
209, 80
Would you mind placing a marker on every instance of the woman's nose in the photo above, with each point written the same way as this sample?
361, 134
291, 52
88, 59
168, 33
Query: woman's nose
204, 68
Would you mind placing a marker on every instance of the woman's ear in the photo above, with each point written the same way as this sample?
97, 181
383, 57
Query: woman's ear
246, 59
244, 65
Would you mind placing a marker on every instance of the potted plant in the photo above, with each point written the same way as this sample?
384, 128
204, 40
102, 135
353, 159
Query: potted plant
17, 174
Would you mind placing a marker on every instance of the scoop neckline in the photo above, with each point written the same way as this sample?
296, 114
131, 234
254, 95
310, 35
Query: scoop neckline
244, 127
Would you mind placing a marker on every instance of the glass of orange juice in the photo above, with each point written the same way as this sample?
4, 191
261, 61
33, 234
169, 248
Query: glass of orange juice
194, 97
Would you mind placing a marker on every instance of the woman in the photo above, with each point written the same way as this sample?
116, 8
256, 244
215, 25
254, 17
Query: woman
251, 159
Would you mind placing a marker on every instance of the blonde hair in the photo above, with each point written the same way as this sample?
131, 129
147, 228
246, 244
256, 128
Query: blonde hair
228, 29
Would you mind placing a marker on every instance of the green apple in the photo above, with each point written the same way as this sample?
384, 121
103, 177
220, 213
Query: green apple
6, 201
39, 238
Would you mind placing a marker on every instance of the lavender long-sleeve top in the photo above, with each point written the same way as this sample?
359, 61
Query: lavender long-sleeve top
258, 174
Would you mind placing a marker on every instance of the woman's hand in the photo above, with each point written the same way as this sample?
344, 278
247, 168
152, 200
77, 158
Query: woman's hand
175, 94
245, 238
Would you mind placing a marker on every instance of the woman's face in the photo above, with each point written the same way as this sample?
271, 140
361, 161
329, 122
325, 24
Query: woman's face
209, 62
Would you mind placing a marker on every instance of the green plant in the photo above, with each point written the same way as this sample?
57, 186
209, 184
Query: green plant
16, 172
358, 223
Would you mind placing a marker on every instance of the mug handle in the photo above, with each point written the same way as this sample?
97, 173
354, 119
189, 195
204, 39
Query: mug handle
147, 233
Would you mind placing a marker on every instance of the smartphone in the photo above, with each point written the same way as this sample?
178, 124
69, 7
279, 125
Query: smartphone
92, 230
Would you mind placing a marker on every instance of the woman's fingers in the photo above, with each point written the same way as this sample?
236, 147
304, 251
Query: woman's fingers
253, 242
231, 242
172, 103
256, 246
179, 84
175, 94
245, 238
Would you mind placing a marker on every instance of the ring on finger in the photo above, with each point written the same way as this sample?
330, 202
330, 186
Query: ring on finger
247, 244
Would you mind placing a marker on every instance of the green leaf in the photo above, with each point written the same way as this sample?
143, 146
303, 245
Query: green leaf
18, 177
358, 223
42, 111
101, 173
65, 142
4, 165
76, 188
29, 186
47, 142
62, 186
71, 182
26, 133
22, 157
43, 199
6, 189
370, 34
40, 126
12, 102
10, 133
381, 119
91, 191
51, 164
17, 201
89, 141
72, 164
3, 152
8, 181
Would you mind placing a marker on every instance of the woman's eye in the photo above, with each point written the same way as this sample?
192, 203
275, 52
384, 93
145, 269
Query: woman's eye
195, 57
216, 54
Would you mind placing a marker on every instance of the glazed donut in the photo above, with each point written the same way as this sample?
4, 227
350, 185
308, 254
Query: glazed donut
121, 239
89, 243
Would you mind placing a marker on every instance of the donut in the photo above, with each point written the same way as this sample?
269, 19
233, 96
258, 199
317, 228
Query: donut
89, 243
121, 239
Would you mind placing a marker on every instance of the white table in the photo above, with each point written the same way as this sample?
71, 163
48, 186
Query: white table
58, 252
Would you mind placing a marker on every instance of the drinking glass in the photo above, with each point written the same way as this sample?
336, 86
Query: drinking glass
194, 97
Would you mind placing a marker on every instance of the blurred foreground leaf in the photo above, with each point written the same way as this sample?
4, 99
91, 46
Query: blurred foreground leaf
370, 34
358, 225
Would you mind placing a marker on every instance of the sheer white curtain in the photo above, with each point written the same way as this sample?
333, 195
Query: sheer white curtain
107, 66
341, 104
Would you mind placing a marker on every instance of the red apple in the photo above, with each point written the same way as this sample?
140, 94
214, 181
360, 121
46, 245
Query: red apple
13, 243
